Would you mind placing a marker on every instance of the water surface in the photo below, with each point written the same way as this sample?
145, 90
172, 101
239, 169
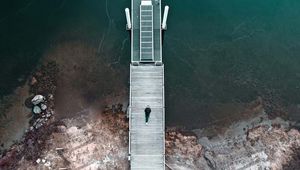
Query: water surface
215, 51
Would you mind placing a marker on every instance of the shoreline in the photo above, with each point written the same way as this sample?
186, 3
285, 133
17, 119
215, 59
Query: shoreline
107, 134
185, 149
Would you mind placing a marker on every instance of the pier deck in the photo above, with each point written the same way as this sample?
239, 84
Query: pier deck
147, 144
146, 141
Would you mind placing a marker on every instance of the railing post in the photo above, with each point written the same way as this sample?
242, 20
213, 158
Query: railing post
164, 23
129, 25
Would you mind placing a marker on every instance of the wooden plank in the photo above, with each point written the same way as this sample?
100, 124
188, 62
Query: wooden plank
147, 140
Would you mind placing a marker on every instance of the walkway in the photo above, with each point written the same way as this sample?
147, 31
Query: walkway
146, 142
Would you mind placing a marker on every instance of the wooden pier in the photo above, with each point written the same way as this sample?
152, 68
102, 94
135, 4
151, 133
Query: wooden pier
146, 141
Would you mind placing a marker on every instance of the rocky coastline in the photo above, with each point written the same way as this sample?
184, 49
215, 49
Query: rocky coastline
42, 84
98, 139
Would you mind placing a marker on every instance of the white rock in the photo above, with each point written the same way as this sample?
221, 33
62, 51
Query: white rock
37, 99
50, 96
37, 110
38, 160
106, 159
43, 107
43, 160
38, 125
48, 164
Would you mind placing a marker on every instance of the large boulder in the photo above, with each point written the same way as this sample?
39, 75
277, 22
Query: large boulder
37, 110
38, 99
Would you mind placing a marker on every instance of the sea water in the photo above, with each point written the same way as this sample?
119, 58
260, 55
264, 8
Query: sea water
214, 51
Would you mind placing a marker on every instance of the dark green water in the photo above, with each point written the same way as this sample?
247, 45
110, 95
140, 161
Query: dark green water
220, 51
215, 51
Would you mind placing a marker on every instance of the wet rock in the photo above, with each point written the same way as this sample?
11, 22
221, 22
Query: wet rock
33, 81
38, 125
38, 99
37, 110
48, 164
210, 160
43, 106
50, 97
39, 122
28, 102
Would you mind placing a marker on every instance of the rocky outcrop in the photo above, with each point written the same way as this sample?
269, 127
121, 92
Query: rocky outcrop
252, 144
85, 143
41, 123
256, 143
183, 151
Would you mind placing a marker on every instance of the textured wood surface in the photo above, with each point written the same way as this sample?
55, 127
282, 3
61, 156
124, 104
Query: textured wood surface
147, 146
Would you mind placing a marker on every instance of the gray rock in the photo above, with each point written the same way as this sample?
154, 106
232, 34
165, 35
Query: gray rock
208, 156
50, 96
37, 110
38, 125
38, 99
43, 106
48, 164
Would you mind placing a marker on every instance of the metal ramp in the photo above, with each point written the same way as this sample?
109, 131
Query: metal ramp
146, 31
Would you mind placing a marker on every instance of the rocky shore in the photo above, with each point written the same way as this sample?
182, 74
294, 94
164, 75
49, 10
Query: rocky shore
85, 143
42, 86
100, 141
98, 138
255, 143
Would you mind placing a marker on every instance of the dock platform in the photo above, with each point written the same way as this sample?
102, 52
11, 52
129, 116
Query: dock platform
146, 141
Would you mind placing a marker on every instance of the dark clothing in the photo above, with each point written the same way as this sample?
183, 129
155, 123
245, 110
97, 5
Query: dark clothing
147, 114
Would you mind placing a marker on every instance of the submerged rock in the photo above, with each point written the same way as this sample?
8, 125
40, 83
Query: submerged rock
33, 81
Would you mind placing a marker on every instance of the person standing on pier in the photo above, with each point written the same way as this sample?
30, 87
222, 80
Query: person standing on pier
147, 113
